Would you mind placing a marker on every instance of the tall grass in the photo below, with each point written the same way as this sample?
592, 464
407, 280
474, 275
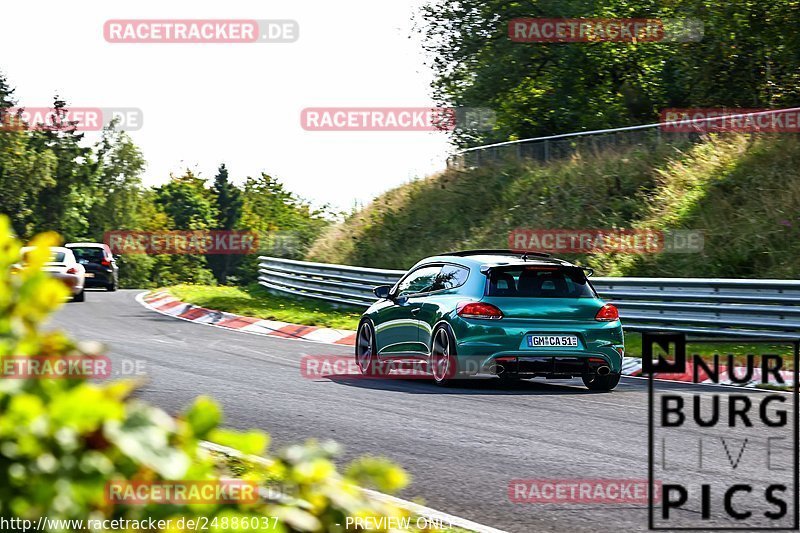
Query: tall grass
742, 191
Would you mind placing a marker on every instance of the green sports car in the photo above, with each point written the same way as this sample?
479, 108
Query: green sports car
501, 312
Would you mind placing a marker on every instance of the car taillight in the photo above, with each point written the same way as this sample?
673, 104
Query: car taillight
479, 310
607, 313
72, 270
105, 263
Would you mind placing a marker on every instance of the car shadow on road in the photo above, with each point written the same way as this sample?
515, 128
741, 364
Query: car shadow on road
481, 386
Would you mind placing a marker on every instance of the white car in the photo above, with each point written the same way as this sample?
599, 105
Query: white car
63, 266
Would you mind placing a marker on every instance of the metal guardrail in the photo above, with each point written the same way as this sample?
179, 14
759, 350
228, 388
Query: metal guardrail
729, 307
567, 144
340, 284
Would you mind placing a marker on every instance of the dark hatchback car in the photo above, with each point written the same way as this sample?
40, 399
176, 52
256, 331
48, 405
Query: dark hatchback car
100, 264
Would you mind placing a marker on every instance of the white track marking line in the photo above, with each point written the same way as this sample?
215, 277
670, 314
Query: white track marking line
140, 298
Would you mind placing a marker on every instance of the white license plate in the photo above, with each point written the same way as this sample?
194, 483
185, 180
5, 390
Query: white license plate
552, 341
89, 275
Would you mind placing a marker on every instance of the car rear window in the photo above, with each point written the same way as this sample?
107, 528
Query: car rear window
94, 255
539, 282
55, 257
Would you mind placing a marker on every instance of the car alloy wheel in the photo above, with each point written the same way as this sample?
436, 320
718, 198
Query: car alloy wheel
366, 356
443, 361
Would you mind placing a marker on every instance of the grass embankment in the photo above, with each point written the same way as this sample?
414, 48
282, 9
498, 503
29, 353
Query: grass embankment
742, 191
256, 301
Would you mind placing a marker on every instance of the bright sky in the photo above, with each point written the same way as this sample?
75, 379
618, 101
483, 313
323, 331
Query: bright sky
204, 104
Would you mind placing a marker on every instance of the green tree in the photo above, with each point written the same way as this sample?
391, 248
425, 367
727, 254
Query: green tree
229, 204
51, 179
188, 205
64, 206
24, 170
748, 57
268, 206
118, 202
6, 94
24, 173
187, 202
286, 224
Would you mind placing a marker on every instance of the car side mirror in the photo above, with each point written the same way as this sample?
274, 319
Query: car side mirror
382, 291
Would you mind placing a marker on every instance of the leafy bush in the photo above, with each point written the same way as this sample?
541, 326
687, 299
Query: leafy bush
141, 271
62, 440
135, 271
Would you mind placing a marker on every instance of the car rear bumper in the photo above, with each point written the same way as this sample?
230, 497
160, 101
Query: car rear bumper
553, 364
98, 278
483, 342
73, 283
566, 366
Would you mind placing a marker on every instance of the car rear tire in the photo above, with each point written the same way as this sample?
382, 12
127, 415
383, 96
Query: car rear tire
111, 287
443, 361
81, 296
367, 352
601, 383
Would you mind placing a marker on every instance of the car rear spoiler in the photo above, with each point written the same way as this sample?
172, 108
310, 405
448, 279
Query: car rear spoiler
486, 269
493, 251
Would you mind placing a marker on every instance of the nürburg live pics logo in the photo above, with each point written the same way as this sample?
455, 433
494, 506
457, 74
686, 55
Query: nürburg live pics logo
726, 458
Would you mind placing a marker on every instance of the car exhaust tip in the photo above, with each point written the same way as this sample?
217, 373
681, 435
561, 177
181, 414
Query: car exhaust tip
496, 369
603, 371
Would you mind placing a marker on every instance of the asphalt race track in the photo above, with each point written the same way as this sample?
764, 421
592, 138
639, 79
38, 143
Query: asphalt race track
462, 445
